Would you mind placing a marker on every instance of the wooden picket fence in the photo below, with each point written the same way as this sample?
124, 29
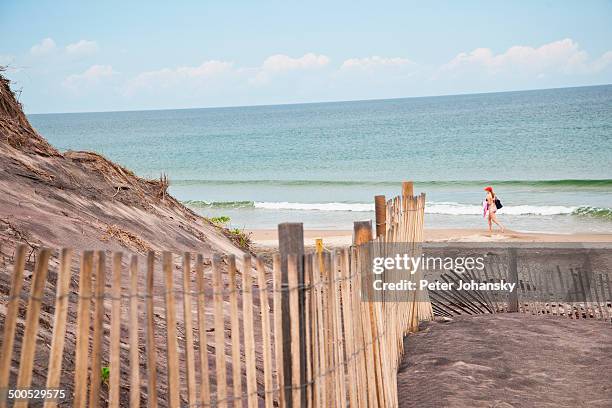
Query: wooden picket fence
213, 332
570, 293
549, 287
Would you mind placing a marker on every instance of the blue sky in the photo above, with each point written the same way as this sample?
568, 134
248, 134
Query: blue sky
80, 56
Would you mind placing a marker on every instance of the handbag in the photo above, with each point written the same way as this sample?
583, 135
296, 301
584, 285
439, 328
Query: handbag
498, 203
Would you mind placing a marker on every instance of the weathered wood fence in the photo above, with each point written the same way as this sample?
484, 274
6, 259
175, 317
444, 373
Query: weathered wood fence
212, 332
555, 281
573, 293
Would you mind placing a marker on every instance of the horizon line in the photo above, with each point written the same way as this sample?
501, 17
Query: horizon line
325, 102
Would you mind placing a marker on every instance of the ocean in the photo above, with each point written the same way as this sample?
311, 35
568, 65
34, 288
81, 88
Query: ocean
547, 153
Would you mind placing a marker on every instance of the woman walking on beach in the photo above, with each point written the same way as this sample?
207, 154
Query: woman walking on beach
491, 209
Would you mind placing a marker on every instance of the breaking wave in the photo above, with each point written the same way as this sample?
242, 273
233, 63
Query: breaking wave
447, 208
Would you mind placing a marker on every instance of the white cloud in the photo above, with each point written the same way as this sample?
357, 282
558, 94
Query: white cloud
281, 62
374, 62
91, 75
46, 46
312, 77
202, 75
602, 62
563, 56
206, 69
167, 77
82, 48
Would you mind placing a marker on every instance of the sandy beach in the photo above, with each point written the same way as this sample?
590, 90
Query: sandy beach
472, 362
267, 238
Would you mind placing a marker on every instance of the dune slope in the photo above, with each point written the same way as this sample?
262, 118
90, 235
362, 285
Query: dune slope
83, 201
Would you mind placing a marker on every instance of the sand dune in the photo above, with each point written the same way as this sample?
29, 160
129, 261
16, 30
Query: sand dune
84, 201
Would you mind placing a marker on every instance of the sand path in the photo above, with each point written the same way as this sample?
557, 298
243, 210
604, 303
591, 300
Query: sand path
508, 360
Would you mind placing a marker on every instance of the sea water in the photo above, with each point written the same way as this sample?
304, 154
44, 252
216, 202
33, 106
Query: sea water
547, 153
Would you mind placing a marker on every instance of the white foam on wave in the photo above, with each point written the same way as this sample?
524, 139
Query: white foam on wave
360, 207
447, 208
467, 209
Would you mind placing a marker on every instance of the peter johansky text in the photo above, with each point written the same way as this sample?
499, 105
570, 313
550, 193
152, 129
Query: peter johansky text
405, 284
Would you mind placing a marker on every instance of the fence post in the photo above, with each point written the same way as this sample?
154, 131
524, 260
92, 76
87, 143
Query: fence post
362, 232
513, 278
291, 242
407, 189
380, 208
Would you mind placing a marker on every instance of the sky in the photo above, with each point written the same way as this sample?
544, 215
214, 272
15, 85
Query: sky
105, 56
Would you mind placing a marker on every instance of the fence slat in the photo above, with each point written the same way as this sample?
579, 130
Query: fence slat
294, 316
134, 320
308, 329
30, 334
98, 320
337, 307
115, 333
564, 291
150, 333
609, 290
330, 377
82, 331
577, 293
235, 330
371, 378
264, 308
174, 388
278, 329
309, 279
553, 294
249, 333
10, 321
345, 289
59, 324
362, 234
188, 322
203, 342
219, 333
603, 298
321, 361
593, 288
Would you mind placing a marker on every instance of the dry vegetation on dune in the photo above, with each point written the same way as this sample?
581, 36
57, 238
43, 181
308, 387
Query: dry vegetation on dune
84, 201
38, 184
15, 130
